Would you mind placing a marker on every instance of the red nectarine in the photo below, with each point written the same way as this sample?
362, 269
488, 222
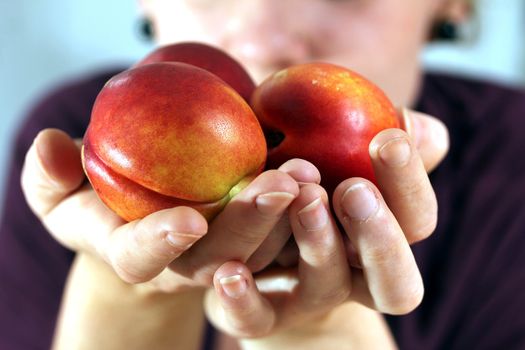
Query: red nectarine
210, 58
325, 114
168, 134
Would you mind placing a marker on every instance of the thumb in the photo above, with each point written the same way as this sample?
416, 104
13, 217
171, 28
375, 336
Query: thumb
52, 169
429, 134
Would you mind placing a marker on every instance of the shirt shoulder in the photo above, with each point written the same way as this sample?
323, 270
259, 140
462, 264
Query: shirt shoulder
479, 100
486, 123
67, 107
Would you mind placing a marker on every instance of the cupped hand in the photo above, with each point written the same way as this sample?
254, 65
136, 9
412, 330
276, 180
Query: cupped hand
179, 238
379, 223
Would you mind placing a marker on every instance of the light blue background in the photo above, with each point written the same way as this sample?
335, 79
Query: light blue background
43, 42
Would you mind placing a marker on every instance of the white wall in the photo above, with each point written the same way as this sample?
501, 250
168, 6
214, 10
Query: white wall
495, 45
44, 41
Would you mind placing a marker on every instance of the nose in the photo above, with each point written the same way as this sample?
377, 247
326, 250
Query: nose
266, 34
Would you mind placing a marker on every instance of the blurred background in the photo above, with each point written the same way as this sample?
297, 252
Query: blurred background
44, 42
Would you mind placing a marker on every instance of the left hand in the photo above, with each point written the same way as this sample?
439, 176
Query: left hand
379, 224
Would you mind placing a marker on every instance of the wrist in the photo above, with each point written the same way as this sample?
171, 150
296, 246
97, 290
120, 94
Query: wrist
99, 310
357, 326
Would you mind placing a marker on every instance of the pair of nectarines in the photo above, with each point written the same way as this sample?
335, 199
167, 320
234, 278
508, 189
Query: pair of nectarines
187, 126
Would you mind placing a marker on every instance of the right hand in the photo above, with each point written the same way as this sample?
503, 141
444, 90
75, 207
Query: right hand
54, 185
378, 223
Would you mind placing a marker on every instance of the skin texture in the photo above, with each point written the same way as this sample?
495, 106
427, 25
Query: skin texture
267, 35
144, 149
328, 116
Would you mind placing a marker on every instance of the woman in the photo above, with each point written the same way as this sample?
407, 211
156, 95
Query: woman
471, 266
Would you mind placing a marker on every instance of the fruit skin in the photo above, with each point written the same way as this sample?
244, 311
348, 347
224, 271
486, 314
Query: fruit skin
327, 114
209, 58
169, 134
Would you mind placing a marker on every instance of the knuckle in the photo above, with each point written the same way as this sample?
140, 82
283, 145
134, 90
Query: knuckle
180, 242
149, 243
160, 244
379, 254
319, 249
317, 256
164, 245
119, 260
326, 300
416, 188
127, 274
247, 236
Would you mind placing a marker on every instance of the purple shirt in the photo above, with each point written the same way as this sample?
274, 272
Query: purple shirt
473, 266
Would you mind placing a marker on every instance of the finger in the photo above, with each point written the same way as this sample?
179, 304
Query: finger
142, 249
271, 246
429, 135
404, 183
392, 276
235, 305
241, 227
52, 170
81, 222
137, 251
324, 274
303, 172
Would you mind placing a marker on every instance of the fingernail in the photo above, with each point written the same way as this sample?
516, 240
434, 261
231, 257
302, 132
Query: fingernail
396, 152
359, 202
313, 216
181, 241
234, 286
273, 203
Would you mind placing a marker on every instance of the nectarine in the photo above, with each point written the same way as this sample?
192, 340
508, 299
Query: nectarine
207, 57
168, 134
325, 114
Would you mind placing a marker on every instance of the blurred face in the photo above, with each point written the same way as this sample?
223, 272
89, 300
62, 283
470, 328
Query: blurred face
381, 39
